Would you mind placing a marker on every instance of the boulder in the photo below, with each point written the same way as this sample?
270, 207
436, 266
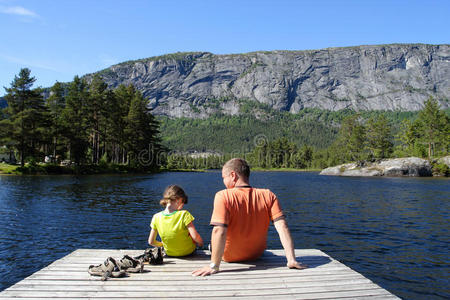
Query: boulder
441, 166
410, 166
444, 160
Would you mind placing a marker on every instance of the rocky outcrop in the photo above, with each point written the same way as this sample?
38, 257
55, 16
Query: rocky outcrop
384, 77
444, 160
410, 166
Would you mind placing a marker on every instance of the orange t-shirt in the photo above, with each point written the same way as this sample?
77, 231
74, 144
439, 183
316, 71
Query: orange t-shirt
247, 213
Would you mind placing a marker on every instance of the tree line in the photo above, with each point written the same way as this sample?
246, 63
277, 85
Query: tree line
359, 138
224, 133
428, 136
86, 123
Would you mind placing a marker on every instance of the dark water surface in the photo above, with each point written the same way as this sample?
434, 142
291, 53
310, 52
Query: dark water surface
394, 231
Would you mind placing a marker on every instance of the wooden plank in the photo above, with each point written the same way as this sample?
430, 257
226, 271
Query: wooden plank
183, 276
189, 268
148, 294
202, 260
209, 284
381, 294
225, 270
193, 280
333, 285
198, 257
186, 267
266, 278
199, 253
349, 290
279, 254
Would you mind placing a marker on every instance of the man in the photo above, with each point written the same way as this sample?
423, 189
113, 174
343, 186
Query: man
241, 219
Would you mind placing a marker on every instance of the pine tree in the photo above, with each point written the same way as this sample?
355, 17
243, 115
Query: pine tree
6, 128
26, 115
96, 108
306, 154
379, 137
55, 104
433, 125
75, 124
142, 132
349, 145
408, 136
118, 120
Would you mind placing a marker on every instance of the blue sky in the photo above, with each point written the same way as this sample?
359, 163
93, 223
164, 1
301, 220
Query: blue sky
58, 39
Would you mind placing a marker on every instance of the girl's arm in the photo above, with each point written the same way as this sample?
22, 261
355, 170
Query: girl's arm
152, 238
195, 235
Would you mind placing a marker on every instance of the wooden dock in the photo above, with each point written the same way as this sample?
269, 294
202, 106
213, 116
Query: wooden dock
268, 277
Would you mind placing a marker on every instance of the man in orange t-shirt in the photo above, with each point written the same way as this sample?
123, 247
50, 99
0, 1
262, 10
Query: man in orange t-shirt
241, 219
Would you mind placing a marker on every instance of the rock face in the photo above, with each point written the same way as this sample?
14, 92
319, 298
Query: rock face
385, 77
410, 166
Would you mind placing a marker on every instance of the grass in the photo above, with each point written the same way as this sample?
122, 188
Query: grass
54, 169
8, 169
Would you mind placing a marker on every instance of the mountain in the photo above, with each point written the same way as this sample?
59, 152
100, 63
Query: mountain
3, 103
397, 77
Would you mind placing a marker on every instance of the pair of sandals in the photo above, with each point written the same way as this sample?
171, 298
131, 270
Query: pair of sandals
119, 268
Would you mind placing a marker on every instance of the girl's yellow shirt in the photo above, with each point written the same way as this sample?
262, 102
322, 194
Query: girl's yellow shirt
172, 228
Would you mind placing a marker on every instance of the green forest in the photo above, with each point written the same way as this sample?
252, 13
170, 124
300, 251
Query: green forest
91, 128
311, 139
82, 124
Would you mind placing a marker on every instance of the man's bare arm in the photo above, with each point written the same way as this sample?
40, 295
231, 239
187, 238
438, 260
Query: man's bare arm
288, 245
218, 238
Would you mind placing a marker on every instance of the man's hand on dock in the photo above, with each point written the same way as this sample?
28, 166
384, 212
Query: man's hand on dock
205, 271
296, 265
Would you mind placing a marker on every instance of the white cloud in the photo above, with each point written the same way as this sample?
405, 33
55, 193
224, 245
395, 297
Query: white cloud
19, 11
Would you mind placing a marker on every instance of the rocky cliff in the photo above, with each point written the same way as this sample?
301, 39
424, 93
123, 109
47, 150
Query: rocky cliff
384, 77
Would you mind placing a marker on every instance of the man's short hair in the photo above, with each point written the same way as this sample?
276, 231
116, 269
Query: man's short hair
239, 166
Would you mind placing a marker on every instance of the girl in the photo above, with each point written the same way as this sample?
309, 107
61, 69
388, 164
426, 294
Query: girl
174, 226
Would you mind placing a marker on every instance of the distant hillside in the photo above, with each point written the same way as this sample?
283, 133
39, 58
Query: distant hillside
200, 84
3, 102
224, 133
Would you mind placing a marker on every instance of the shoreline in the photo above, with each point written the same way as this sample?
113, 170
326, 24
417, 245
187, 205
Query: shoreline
6, 169
52, 169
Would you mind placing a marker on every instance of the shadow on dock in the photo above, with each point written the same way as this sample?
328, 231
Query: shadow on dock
267, 261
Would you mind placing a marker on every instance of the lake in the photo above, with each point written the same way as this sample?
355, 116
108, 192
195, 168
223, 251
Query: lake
395, 231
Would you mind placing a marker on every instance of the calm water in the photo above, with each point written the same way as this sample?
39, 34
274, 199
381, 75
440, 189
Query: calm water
394, 231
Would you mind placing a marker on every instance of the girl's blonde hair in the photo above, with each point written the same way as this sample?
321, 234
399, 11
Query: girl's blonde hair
172, 193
